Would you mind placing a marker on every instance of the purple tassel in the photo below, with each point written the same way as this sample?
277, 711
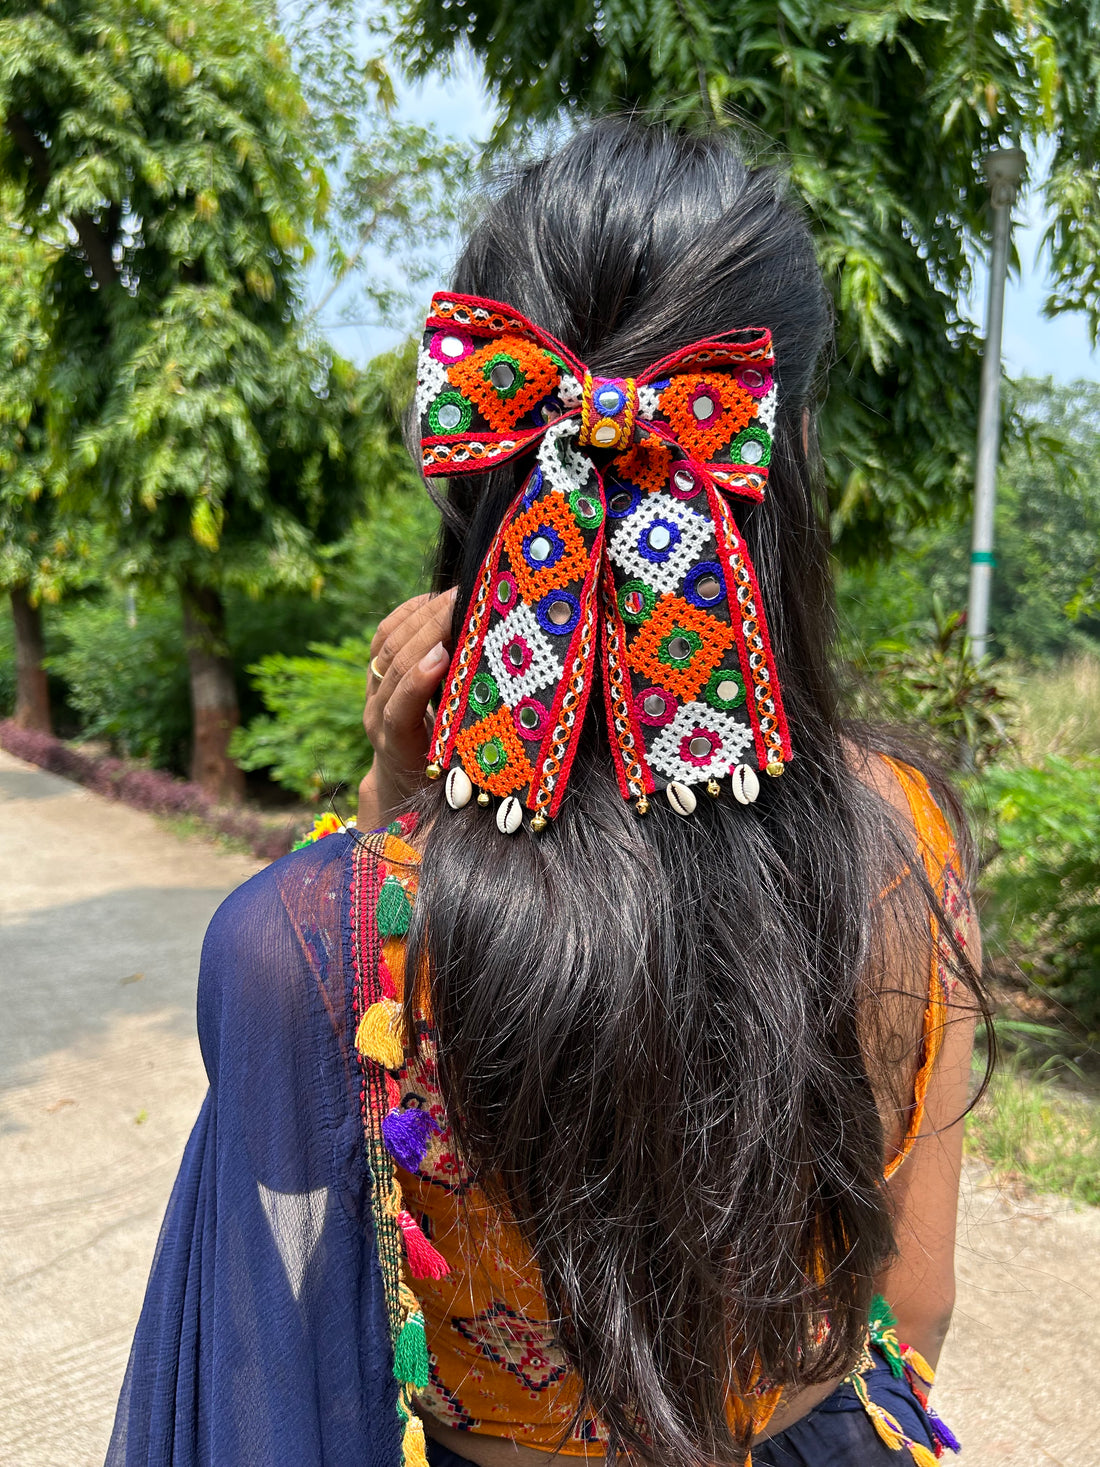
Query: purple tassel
943, 1433
408, 1134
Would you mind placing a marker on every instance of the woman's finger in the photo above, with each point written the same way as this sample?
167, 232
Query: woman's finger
405, 716
391, 624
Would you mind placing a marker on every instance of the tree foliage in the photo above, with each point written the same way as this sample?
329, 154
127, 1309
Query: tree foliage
881, 113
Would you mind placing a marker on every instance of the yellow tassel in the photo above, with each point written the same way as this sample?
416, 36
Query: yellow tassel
413, 1445
916, 1360
922, 1456
885, 1425
377, 1037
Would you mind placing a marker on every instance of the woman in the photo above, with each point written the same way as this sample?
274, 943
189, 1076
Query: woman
675, 1102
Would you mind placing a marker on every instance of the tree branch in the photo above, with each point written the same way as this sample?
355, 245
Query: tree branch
96, 246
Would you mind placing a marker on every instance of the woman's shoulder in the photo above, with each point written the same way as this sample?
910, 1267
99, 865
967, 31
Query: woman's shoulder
274, 955
923, 816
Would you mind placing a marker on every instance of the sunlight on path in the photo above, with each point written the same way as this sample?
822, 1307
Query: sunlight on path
102, 914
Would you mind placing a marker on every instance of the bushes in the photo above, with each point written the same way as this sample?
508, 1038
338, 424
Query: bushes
1044, 881
311, 740
125, 676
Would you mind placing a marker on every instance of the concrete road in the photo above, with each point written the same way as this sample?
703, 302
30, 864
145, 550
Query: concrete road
102, 913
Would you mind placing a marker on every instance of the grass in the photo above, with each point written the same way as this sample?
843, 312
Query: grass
1056, 710
1031, 1129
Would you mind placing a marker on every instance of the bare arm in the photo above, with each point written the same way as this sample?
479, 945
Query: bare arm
920, 1283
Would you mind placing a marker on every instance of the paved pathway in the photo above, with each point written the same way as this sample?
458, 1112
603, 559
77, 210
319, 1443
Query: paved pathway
102, 912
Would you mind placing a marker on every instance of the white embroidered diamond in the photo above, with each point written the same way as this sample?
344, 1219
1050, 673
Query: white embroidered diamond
563, 467
544, 666
732, 739
570, 391
665, 572
431, 379
649, 400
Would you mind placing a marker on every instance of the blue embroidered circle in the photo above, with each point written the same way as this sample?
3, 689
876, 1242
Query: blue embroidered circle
658, 540
532, 488
703, 585
623, 499
558, 613
543, 547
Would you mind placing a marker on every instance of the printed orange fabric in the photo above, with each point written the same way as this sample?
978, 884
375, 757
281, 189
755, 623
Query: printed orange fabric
495, 1367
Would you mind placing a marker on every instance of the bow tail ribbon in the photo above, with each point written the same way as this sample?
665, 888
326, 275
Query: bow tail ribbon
523, 670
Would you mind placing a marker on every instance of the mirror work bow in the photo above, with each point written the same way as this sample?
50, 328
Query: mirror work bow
619, 560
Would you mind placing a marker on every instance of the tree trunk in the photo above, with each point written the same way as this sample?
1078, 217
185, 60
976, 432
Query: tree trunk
214, 709
32, 696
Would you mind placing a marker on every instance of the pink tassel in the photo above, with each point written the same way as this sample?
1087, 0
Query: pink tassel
393, 1091
425, 1262
385, 978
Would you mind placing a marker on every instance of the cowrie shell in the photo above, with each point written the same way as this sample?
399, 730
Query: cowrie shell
745, 784
681, 798
509, 815
458, 788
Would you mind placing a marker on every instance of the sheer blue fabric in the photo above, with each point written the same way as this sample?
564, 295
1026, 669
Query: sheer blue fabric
263, 1338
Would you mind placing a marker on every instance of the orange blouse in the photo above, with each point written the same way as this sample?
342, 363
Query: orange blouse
495, 1367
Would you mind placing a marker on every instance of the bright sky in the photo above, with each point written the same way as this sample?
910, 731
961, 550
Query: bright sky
1034, 346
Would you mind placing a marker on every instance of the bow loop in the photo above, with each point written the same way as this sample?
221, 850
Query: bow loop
636, 577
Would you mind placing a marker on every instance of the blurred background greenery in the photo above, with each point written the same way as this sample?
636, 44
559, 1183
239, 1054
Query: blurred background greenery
205, 508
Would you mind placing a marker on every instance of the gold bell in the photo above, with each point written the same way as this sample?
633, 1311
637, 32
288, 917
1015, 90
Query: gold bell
775, 768
714, 789
539, 822
433, 771
642, 806
482, 798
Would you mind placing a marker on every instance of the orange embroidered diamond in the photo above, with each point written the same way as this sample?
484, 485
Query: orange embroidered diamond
706, 413
645, 464
545, 548
506, 378
492, 754
679, 646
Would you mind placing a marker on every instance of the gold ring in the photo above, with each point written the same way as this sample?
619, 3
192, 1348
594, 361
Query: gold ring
375, 670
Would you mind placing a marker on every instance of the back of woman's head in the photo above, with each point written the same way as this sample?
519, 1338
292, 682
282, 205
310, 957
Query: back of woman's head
648, 1026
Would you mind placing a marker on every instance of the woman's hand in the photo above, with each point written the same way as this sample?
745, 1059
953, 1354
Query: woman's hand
410, 653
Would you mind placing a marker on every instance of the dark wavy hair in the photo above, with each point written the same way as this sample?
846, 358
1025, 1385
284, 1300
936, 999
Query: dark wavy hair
652, 1032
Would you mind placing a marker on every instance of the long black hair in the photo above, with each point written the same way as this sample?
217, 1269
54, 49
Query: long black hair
650, 1028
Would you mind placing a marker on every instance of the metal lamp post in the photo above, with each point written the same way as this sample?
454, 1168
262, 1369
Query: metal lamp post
1004, 169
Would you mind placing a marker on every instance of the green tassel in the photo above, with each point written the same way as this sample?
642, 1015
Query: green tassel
393, 910
410, 1356
882, 1316
882, 1328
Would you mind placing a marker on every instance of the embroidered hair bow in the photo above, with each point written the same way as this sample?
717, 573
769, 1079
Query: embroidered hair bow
635, 573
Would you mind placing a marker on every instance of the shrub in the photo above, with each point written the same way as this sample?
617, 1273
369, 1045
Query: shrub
125, 673
1044, 880
312, 738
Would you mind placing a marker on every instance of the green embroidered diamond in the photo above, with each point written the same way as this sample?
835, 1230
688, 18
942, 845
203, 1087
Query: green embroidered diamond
679, 647
725, 689
450, 413
484, 693
504, 374
753, 445
636, 602
587, 509
492, 756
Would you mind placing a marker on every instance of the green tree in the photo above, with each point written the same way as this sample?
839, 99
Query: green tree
160, 152
882, 113
42, 553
